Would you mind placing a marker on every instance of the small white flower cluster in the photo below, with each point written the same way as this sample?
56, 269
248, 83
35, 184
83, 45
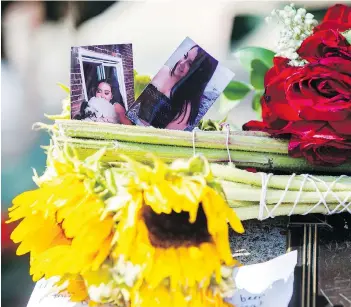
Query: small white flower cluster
125, 272
117, 290
298, 25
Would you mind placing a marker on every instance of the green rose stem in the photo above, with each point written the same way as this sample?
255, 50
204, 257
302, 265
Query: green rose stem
247, 141
247, 149
241, 158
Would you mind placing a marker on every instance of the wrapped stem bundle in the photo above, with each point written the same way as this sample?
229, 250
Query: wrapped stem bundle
246, 149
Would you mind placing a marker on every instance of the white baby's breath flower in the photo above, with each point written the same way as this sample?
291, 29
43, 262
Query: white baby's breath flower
298, 19
309, 16
309, 21
125, 272
297, 26
301, 11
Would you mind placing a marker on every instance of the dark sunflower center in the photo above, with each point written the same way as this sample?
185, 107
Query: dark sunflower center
174, 229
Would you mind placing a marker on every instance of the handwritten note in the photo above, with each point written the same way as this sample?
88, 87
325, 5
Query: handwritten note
268, 284
45, 295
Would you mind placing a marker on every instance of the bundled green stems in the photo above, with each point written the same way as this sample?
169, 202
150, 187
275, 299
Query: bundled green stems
246, 149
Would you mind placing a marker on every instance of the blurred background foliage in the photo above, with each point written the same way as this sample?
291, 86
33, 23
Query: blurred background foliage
35, 50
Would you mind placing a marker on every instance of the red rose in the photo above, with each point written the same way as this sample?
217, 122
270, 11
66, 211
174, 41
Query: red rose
316, 91
324, 44
319, 144
338, 17
299, 100
316, 141
320, 91
274, 95
342, 127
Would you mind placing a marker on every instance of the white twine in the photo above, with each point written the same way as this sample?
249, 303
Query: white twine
227, 127
194, 135
343, 206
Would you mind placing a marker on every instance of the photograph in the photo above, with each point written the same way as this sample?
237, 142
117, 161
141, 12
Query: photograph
102, 83
182, 91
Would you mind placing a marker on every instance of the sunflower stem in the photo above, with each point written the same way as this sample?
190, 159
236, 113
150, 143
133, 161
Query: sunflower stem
248, 212
241, 192
231, 173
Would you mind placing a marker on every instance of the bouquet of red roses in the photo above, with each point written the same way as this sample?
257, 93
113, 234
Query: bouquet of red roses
307, 92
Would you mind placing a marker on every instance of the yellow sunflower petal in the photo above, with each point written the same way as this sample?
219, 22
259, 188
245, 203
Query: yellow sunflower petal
102, 254
77, 290
234, 221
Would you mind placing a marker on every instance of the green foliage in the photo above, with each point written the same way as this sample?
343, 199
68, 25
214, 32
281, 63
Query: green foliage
236, 90
140, 82
256, 104
211, 125
258, 72
257, 61
249, 54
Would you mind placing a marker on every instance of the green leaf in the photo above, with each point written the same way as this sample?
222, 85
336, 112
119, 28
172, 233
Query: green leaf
347, 35
236, 90
208, 125
140, 82
258, 72
248, 54
256, 104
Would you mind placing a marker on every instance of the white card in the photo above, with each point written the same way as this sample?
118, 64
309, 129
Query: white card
268, 284
45, 295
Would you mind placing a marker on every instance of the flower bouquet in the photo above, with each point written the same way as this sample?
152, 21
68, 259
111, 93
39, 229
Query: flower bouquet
138, 216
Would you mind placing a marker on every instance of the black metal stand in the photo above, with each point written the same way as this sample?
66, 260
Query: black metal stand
323, 271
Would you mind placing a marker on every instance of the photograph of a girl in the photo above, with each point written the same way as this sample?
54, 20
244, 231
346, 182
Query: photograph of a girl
102, 84
105, 104
181, 92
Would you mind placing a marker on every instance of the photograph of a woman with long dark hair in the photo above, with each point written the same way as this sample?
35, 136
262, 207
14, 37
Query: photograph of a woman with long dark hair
175, 95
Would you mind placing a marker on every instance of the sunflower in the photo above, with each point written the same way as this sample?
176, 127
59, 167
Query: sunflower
61, 223
131, 234
175, 227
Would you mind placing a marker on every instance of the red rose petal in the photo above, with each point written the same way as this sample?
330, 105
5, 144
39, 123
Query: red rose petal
342, 127
338, 17
325, 43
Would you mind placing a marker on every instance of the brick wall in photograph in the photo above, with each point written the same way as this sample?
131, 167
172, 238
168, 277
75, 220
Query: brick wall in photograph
124, 52
77, 94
